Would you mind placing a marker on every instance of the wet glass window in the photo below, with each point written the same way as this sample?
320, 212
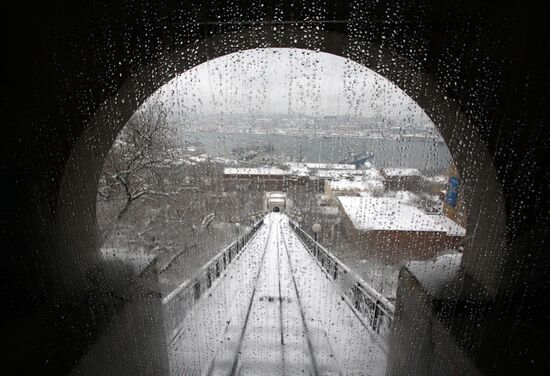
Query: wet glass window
324, 176
312, 188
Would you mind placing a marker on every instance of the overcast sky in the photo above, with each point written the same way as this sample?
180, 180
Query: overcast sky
284, 81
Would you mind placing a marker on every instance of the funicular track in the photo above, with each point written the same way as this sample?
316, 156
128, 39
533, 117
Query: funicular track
275, 311
275, 264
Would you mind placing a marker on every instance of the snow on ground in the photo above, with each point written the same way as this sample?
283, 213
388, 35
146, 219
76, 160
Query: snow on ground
275, 312
136, 259
353, 346
204, 327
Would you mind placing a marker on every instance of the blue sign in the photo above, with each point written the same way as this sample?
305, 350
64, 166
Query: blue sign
452, 192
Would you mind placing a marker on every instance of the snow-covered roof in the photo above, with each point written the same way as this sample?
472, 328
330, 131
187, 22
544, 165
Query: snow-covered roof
389, 213
356, 185
400, 172
337, 174
276, 194
372, 174
304, 169
404, 197
255, 171
320, 170
225, 160
330, 166
440, 179
198, 158
298, 169
448, 225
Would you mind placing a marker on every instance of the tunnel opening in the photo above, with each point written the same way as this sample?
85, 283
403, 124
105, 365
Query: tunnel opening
392, 197
298, 217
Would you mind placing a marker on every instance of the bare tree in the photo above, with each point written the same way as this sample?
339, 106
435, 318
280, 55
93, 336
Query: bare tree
133, 169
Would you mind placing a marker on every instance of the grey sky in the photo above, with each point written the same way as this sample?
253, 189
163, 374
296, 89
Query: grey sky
285, 81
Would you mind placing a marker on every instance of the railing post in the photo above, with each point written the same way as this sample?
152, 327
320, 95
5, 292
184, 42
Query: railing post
375, 317
197, 290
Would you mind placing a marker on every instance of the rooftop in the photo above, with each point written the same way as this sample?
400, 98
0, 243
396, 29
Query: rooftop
255, 171
367, 213
400, 172
322, 166
337, 174
320, 170
356, 185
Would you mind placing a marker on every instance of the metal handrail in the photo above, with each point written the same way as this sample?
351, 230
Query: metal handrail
372, 308
178, 302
